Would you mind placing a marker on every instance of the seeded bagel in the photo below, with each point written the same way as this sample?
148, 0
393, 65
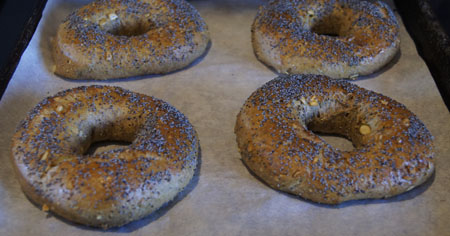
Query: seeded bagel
120, 38
109, 188
337, 38
275, 134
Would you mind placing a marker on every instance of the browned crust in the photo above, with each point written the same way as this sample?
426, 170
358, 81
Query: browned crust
283, 37
275, 138
87, 45
110, 188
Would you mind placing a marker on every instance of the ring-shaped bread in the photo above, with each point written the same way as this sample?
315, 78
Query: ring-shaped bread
275, 134
336, 38
109, 188
120, 38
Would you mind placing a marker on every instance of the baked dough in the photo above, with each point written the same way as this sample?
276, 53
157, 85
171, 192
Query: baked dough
110, 188
340, 39
122, 38
275, 134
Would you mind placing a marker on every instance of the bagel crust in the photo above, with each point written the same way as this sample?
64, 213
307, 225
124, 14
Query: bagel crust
393, 149
109, 188
336, 38
120, 38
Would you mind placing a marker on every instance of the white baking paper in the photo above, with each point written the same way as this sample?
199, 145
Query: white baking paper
225, 199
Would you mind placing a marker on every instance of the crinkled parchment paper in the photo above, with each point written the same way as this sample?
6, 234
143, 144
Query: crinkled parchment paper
225, 199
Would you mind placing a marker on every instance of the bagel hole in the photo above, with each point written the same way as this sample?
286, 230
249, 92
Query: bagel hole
329, 26
129, 28
337, 141
336, 129
104, 146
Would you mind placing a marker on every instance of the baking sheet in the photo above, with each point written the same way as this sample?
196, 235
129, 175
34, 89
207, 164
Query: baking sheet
225, 199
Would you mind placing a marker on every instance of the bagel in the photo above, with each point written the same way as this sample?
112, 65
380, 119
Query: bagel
110, 188
275, 134
336, 38
122, 38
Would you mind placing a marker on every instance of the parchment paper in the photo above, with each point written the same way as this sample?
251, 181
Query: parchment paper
225, 199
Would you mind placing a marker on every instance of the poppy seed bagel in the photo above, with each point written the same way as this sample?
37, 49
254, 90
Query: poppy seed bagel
109, 188
336, 38
393, 149
122, 38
